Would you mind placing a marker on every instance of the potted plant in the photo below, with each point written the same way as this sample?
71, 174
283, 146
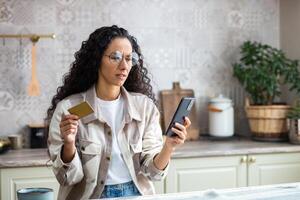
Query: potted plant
262, 70
294, 123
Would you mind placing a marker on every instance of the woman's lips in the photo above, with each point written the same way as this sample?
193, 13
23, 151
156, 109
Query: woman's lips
121, 76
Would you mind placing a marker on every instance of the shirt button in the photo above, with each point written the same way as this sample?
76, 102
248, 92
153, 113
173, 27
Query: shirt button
109, 132
102, 182
107, 157
82, 148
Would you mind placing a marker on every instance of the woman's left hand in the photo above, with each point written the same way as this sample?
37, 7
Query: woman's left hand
162, 159
180, 130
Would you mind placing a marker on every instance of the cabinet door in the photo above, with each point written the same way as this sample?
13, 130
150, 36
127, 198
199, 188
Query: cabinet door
13, 179
192, 174
273, 168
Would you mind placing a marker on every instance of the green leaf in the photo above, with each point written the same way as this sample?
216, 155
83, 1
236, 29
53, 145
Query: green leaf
262, 69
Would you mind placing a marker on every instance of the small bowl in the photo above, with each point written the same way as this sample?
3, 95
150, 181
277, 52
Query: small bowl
35, 194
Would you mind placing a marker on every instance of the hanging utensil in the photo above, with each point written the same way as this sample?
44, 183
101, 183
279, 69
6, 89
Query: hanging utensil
33, 87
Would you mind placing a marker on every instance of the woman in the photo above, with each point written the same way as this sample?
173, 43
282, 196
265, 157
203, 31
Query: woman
117, 150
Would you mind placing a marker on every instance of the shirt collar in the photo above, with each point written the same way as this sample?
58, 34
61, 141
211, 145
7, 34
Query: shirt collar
130, 111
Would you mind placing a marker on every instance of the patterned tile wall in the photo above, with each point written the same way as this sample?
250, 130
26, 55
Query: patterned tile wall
191, 41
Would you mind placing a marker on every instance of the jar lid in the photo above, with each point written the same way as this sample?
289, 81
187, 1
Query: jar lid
220, 99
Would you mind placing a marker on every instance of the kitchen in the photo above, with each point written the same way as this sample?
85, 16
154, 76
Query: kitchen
194, 43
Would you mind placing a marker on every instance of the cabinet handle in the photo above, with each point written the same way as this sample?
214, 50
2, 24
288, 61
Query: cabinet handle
252, 159
244, 159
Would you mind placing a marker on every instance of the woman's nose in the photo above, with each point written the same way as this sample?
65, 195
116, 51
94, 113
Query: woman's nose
123, 64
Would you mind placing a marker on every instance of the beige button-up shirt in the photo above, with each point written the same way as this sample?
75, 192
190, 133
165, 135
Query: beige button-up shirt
139, 140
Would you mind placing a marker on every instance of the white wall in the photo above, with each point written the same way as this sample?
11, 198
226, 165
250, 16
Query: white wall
191, 41
290, 28
290, 36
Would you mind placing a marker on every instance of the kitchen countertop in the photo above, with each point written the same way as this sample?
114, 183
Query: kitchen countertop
210, 146
287, 191
25, 158
204, 147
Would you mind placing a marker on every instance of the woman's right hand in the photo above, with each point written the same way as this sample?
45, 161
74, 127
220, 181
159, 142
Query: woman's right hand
68, 128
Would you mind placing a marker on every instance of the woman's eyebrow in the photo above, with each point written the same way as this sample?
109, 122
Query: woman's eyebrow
129, 54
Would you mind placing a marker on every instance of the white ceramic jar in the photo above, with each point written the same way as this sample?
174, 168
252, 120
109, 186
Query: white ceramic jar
221, 121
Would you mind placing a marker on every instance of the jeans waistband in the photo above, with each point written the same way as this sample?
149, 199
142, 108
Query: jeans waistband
120, 185
120, 190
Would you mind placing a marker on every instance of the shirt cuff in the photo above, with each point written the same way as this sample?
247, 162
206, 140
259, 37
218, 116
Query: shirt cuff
158, 173
64, 170
59, 163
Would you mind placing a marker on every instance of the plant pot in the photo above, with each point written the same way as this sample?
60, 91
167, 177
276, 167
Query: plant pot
294, 132
268, 122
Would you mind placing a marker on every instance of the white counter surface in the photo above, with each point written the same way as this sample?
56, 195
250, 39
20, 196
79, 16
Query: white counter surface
289, 191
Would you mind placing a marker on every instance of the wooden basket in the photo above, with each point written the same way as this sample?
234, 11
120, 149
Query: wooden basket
268, 122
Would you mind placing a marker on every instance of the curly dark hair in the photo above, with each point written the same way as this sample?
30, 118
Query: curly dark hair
83, 72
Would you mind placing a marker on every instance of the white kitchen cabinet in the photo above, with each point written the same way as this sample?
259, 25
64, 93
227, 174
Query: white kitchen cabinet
13, 179
273, 168
192, 174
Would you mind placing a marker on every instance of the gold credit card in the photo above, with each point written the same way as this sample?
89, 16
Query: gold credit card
81, 110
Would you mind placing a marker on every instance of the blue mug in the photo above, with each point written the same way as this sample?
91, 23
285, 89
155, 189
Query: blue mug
35, 194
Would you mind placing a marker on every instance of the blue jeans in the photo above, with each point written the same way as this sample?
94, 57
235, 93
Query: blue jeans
120, 190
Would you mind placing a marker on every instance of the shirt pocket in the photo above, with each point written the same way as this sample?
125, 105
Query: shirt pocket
89, 147
90, 158
134, 135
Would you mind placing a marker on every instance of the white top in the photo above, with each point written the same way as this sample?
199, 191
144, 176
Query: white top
113, 113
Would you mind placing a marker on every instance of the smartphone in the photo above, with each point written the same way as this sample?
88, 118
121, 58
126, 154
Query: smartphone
183, 110
81, 110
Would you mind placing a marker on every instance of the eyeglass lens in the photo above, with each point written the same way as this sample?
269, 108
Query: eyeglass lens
117, 56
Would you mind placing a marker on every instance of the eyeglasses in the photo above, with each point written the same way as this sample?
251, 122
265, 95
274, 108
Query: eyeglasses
117, 57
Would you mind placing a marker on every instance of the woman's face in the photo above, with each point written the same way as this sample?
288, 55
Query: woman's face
116, 62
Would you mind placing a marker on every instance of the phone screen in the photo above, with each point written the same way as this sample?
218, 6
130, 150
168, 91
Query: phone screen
183, 110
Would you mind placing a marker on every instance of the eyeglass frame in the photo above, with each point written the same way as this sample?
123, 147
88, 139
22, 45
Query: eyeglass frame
123, 57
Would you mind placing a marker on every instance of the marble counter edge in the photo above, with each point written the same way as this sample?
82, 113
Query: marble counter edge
215, 153
29, 163
191, 149
25, 158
